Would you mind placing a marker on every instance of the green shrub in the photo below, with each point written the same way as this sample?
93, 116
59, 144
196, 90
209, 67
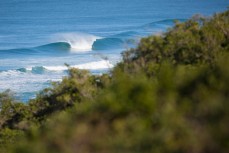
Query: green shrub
170, 94
194, 42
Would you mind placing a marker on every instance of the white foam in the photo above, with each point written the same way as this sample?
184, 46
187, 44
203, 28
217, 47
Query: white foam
10, 73
29, 82
55, 68
79, 41
104, 64
24, 82
29, 68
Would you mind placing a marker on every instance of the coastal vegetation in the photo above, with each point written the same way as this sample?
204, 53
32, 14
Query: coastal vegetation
169, 94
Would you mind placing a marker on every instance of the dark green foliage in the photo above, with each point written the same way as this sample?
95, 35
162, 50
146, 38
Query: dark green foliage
184, 109
12, 112
74, 88
194, 42
170, 94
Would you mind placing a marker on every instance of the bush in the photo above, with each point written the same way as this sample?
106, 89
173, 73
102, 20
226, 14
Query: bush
170, 94
197, 41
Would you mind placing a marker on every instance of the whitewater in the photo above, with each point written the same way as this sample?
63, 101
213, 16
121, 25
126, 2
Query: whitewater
38, 37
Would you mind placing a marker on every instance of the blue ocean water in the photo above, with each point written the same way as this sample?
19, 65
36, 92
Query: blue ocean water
38, 36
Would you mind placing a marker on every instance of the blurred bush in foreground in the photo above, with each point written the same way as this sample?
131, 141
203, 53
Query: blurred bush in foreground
170, 94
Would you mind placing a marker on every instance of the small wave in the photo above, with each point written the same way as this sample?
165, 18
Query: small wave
34, 70
19, 51
103, 64
22, 70
39, 69
57, 46
162, 23
127, 35
122, 40
107, 43
78, 41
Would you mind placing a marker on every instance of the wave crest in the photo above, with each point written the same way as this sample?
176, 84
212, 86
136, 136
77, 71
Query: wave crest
78, 41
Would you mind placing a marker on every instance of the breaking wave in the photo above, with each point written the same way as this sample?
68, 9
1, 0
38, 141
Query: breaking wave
103, 64
77, 42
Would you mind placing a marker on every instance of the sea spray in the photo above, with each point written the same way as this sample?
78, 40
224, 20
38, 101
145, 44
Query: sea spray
79, 42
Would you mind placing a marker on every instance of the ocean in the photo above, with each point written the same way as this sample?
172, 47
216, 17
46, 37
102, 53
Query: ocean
38, 37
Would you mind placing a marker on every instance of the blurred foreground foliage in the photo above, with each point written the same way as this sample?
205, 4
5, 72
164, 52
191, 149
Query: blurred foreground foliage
170, 94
